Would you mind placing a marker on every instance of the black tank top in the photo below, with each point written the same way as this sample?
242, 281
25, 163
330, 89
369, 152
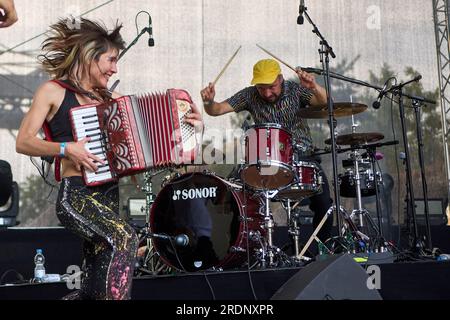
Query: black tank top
60, 126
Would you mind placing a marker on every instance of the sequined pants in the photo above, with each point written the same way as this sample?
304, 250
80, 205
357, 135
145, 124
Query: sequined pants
110, 244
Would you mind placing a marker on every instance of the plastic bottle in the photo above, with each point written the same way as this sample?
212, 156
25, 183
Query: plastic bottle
39, 269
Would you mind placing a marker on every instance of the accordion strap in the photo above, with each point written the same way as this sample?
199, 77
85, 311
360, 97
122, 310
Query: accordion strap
67, 86
104, 94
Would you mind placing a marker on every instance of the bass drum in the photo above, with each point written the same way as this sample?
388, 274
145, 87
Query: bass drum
211, 212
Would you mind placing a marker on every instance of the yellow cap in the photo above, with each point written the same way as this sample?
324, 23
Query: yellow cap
265, 71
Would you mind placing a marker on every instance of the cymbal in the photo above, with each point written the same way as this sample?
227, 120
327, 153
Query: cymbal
357, 138
341, 109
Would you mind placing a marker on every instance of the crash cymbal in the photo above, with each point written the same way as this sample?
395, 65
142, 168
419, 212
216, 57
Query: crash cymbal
341, 109
357, 138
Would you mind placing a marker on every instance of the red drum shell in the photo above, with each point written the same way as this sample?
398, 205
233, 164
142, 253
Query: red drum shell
268, 157
308, 182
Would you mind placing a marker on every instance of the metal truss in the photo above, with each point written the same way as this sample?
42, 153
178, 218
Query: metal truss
441, 25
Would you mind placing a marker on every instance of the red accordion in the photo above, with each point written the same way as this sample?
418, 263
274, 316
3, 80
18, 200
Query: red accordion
136, 133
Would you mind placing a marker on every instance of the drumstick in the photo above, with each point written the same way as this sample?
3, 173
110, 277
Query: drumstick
270, 54
226, 66
295, 205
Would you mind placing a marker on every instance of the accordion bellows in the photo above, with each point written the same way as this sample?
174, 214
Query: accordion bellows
136, 133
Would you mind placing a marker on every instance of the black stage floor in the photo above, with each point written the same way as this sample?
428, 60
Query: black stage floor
399, 281
418, 280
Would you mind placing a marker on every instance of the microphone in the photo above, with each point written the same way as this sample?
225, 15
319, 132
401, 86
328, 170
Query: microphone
115, 84
180, 240
376, 104
151, 41
301, 9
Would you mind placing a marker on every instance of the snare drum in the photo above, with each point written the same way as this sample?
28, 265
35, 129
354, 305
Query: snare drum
268, 157
211, 212
308, 182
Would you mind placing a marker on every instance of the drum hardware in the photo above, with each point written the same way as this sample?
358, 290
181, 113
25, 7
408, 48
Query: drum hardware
151, 263
268, 255
293, 226
348, 232
362, 169
248, 219
237, 249
359, 211
269, 225
255, 235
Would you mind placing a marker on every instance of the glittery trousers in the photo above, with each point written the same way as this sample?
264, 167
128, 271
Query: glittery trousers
110, 244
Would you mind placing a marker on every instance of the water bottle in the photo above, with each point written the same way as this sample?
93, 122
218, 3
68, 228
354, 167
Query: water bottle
39, 269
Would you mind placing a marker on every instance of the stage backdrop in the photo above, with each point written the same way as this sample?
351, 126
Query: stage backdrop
372, 39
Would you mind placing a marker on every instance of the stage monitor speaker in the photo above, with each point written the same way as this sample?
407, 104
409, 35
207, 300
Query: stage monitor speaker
135, 212
338, 277
436, 211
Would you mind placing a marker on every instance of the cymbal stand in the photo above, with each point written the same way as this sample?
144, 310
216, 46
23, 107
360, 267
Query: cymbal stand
360, 211
371, 153
325, 52
356, 157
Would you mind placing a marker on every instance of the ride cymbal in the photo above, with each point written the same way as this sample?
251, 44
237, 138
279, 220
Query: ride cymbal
357, 138
341, 109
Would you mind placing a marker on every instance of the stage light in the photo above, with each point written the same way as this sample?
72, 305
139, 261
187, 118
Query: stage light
9, 196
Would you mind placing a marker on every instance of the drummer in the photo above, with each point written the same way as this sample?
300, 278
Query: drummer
272, 99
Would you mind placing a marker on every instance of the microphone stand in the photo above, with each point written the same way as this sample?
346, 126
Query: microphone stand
325, 51
417, 105
144, 30
371, 150
416, 101
362, 83
410, 200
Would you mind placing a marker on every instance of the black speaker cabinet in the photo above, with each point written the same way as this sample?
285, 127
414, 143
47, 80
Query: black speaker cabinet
338, 277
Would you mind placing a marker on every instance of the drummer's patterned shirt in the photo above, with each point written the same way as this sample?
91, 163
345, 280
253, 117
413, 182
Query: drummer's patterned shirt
284, 111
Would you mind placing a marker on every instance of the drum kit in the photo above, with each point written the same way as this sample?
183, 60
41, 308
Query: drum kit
201, 221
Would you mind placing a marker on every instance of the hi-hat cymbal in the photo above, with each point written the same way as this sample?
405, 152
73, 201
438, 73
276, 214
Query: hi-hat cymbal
357, 138
341, 109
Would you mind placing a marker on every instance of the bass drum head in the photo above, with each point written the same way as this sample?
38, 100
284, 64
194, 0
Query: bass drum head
206, 209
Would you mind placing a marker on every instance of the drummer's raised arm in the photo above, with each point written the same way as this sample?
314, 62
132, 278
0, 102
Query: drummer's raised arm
213, 108
319, 96
308, 81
